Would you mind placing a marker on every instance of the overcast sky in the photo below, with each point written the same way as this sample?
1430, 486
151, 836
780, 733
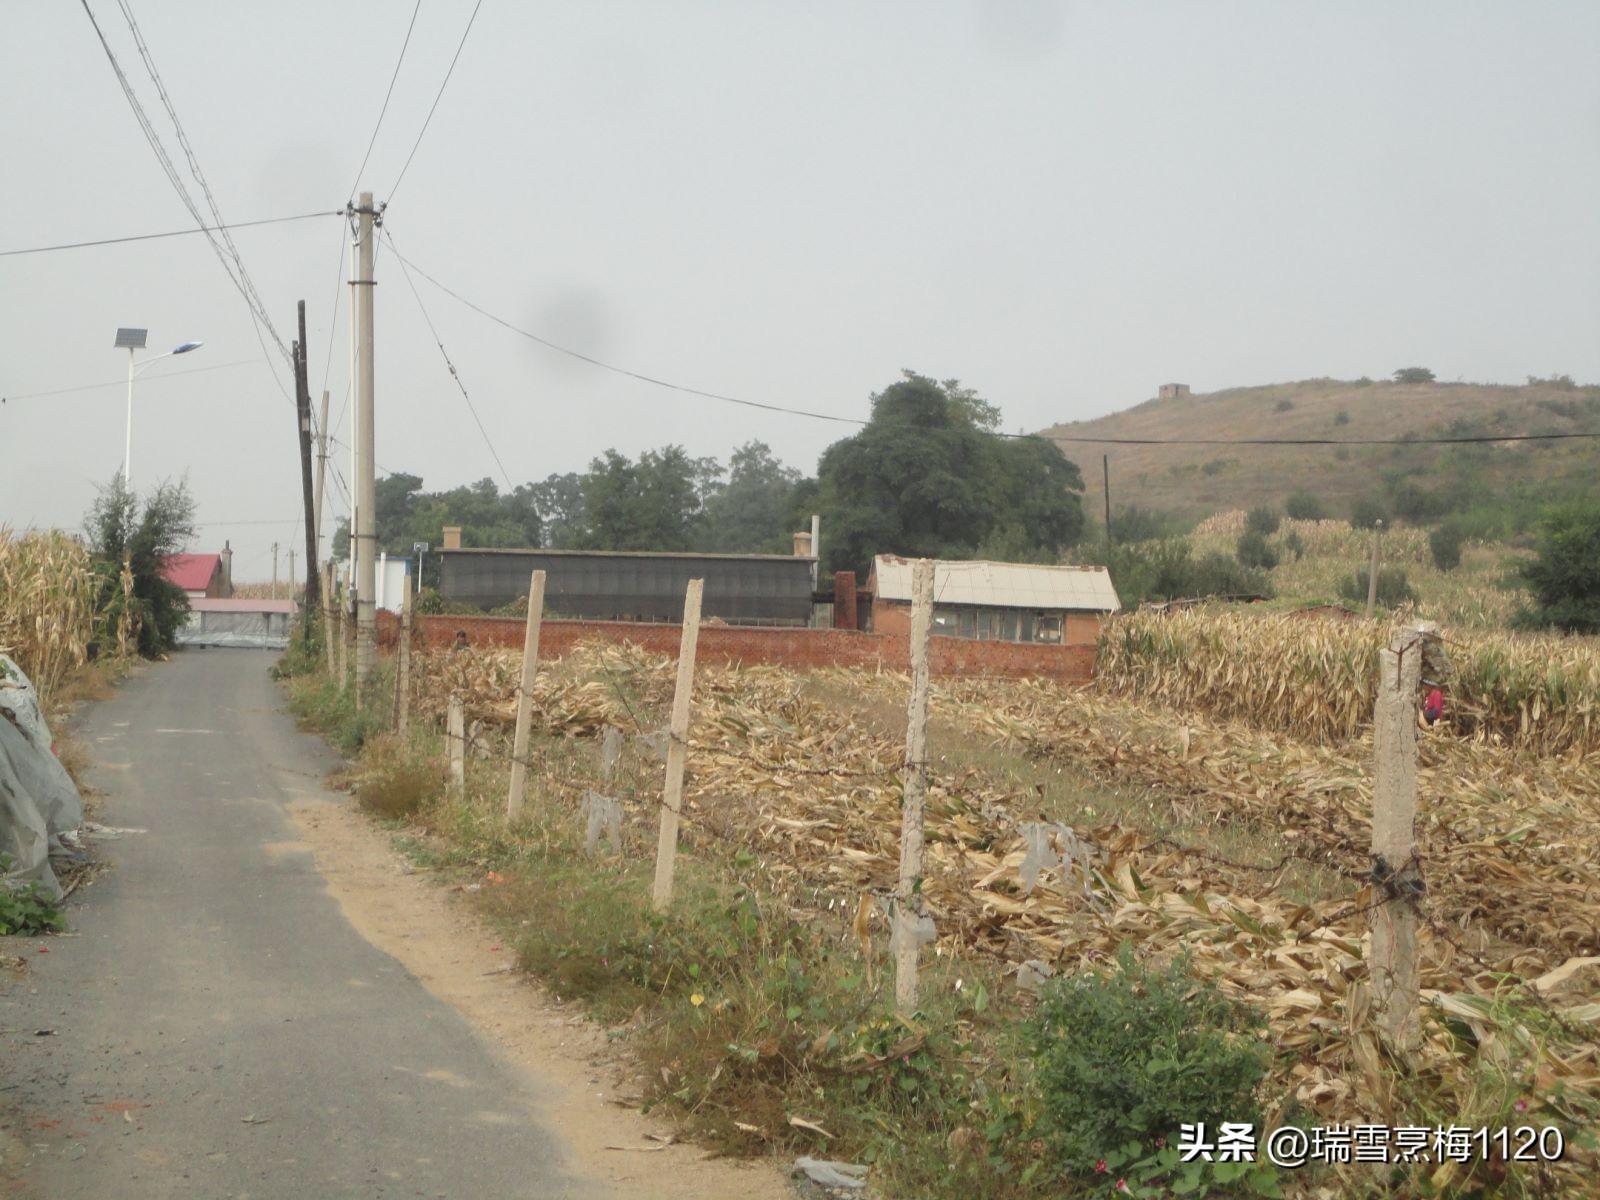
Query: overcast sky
1062, 204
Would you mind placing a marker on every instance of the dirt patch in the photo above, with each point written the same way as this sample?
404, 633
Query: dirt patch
454, 956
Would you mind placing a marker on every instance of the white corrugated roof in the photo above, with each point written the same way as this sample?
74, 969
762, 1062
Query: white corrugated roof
1002, 585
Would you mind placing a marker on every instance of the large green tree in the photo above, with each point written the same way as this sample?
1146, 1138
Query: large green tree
929, 476
120, 531
753, 512
487, 516
1565, 574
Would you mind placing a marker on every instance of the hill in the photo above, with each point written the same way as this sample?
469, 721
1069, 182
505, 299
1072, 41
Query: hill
1509, 478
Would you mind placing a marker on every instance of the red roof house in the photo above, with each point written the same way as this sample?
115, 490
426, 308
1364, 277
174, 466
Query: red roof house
199, 575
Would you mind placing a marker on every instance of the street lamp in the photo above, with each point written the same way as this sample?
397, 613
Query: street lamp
134, 339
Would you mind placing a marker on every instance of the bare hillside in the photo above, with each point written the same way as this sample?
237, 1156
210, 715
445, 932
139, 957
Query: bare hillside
1197, 480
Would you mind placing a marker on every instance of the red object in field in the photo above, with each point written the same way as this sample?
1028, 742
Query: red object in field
1433, 706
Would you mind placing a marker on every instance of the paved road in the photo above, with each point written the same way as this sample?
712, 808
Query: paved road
220, 1029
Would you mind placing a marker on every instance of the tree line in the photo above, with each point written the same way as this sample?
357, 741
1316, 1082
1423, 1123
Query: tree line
928, 474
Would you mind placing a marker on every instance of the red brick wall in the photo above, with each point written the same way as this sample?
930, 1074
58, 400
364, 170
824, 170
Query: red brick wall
736, 644
844, 600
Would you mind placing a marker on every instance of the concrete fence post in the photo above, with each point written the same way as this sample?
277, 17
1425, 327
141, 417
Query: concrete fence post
456, 735
1396, 877
402, 671
530, 667
1372, 570
908, 907
677, 748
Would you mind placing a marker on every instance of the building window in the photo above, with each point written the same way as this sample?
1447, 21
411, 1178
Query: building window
1047, 629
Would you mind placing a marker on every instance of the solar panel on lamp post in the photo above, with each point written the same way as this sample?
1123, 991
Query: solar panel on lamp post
134, 339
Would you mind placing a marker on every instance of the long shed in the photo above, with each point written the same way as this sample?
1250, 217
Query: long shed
995, 601
635, 585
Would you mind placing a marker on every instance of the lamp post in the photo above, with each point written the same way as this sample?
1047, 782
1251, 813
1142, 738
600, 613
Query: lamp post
134, 339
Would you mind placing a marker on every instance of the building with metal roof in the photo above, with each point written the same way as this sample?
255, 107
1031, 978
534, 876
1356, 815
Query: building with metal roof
995, 601
634, 585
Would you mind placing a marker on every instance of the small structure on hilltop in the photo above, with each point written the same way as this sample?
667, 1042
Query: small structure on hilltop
995, 601
1173, 391
200, 576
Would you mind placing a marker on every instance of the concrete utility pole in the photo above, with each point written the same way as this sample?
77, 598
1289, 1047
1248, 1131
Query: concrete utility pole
291, 572
1105, 468
366, 495
1372, 572
322, 467
908, 903
274, 570
302, 405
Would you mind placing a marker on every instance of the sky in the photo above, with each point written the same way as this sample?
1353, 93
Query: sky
1061, 204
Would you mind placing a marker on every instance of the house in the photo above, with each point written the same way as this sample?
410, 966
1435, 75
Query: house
993, 601
1173, 391
634, 585
201, 575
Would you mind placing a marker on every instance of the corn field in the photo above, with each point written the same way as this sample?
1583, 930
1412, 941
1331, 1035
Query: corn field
47, 594
1315, 679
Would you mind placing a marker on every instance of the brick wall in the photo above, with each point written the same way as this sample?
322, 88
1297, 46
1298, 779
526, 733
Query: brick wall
745, 645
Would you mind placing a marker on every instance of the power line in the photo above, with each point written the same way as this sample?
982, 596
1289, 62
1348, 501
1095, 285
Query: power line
605, 366
1464, 439
372, 141
146, 237
89, 387
454, 374
429, 119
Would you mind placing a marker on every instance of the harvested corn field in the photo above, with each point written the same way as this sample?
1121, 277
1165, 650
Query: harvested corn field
47, 590
1315, 679
810, 791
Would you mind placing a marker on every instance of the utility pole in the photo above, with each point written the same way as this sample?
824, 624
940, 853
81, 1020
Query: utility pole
1105, 469
302, 404
1372, 572
366, 495
274, 570
322, 467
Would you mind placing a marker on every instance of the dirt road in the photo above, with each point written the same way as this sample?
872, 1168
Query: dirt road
220, 1024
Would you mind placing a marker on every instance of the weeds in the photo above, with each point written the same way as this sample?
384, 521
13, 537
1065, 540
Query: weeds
28, 909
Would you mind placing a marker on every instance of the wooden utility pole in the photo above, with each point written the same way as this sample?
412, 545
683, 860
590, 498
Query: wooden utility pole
1372, 571
402, 718
302, 404
291, 572
1105, 471
322, 466
530, 667
366, 496
677, 748
1397, 879
908, 906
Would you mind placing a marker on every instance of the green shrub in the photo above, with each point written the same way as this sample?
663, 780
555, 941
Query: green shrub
1341, 417
1413, 502
26, 909
404, 778
1367, 512
1393, 587
1253, 550
1263, 520
1413, 375
1295, 545
1130, 1056
1304, 506
1167, 570
1565, 575
1283, 406
1444, 543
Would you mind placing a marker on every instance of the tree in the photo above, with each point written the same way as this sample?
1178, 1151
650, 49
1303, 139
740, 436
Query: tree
752, 512
1367, 512
1444, 543
928, 477
1564, 574
405, 515
1263, 519
1413, 375
654, 504
1304, 506
117, 532
559, 500
1253, 550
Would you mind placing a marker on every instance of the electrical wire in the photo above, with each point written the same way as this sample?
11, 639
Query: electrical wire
147, 237
373, 140
1465, 439
89, 387
454, 374
439, 96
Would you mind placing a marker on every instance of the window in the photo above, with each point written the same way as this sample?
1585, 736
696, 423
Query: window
1047, 629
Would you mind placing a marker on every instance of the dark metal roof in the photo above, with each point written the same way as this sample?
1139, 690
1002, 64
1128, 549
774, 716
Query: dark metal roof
627, 553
